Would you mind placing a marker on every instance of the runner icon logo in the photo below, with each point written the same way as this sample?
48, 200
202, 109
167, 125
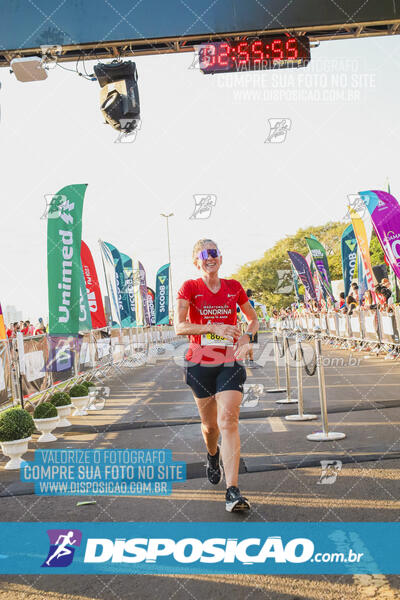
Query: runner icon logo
359, 204
330, 471
278, 129
285, 282
203, 205
252, 393
54, 204
195, 64
128, 136
61, 551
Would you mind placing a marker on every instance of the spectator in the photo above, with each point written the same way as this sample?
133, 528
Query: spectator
249, 359
342, 300
14, 329
351, 304
354, 292
42, 325
25, 327
386, 290
368, 302
31, 328
40, 329
381, 296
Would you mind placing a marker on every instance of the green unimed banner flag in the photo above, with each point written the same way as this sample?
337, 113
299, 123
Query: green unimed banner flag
64, 232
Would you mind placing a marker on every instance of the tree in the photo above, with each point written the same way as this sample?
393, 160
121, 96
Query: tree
376, 251
261, 275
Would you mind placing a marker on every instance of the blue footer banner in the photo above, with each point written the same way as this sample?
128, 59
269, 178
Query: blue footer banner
273, 548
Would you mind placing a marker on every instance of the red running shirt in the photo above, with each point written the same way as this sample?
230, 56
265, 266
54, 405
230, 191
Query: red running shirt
206, 306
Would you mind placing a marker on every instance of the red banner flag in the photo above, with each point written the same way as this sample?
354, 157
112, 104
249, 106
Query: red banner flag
93, 288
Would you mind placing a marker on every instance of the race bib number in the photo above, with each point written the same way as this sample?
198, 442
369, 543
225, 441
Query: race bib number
210, 339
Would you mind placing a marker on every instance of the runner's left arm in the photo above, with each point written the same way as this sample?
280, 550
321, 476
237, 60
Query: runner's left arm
251, 318
243, 344
252, 322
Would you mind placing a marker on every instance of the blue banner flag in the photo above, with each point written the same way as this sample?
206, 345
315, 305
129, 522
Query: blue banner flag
348, 247
127, 265
123, 297
162, 295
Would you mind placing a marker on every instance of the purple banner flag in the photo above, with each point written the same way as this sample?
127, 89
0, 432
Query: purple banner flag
304, 273
385, 215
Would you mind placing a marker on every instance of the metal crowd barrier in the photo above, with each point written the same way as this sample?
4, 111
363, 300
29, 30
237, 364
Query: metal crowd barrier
43, 363
301, 329
370, 329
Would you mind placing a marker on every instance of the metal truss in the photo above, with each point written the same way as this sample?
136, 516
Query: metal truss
125, 48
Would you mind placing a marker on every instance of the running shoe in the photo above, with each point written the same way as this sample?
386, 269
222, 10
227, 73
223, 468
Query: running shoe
235, 502
254, 365
213, 468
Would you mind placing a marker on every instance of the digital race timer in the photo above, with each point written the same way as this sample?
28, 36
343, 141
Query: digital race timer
270, 52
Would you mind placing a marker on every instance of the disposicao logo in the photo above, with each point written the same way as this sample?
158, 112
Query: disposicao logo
191, 550
166, 552
62, 547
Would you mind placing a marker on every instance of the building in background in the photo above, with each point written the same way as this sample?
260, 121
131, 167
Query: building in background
11, 314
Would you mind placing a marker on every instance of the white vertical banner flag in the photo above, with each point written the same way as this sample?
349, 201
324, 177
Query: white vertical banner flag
140, 321
109, 274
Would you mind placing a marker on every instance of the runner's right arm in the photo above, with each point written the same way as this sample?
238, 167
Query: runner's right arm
183, 327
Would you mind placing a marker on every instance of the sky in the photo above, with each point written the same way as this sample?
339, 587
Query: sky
200, 134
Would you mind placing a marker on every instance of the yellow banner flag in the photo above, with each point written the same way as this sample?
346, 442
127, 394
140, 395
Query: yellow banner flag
363, 244
3, 334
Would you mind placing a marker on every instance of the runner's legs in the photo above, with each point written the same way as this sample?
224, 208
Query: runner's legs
228, 408
207, 408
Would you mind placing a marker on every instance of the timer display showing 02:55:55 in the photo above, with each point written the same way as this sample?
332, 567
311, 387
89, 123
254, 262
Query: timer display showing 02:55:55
250, 55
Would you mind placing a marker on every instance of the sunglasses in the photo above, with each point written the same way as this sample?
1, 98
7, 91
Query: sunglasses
213, 252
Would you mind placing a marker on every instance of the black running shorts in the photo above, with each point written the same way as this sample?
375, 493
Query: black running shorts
207, 381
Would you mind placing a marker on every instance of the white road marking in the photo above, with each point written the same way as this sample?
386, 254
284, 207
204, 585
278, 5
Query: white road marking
277, 424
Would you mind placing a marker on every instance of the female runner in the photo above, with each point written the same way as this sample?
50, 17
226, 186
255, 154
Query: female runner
206, 312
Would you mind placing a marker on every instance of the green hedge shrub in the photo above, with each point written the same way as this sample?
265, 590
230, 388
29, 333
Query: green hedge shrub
78, 390
15, 424
46, 410
60, 399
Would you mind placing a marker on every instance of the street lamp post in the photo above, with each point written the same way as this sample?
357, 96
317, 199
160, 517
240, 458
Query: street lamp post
169, 260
